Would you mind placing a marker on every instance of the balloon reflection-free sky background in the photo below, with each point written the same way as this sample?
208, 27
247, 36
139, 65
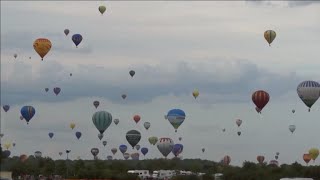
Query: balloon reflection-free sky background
174, 48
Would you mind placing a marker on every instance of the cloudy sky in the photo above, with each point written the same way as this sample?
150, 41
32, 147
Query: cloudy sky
174, 47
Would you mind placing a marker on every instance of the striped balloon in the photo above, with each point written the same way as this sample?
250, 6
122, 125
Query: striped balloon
102, 120
165, 146
309, 92
133, 137
260, 98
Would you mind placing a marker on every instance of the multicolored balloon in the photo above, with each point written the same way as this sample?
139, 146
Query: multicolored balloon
165, 146
176, 117
260, 99
27, 113
102, 120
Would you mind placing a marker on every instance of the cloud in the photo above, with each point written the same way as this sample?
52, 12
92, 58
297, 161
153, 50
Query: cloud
218, 80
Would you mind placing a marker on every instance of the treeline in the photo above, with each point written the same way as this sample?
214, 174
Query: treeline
117, 169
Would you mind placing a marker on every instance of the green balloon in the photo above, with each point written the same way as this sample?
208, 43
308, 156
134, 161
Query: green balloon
102, 120
102, 9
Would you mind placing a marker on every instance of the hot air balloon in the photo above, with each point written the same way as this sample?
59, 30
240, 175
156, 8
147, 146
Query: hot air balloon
270, 35
102, 9
292, 128
260, 99
94, 151
135, 156
27, 112
5, 154
72, 125
137, 147
239, 122
70, 74
77, 38
78, 134
23, 157
42, 46
109, 158
66, 32
165, 146
276, 157
116, 121
6, 108
102, 120
309, 92
314, 153
123, 148
133, 137
46, 89
195, 93
180, 138
239, 133
100, 136
144, 151
176, 117
21, 118
123, 96
277, 153
226, 160
203, 149
13, 144
153, 140
126, 156
306, 158
136, 118
177, 149
146, 125
1, 135
7, 145
15, 56
96, 104
114, 151
293, 111
274, 162
60, 153
50, 135
132, 73
260, 159
56, 90
224, 130
37, 154
104, 143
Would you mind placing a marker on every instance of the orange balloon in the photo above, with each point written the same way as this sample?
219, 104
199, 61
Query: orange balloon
23, 158
42, 46
307, 158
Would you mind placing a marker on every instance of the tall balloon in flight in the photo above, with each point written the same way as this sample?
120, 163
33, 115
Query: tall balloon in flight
309, 92
42, 46
270, 35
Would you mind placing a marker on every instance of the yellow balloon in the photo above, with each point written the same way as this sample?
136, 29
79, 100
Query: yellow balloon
314, 153
195, 93
72, 125
7, 145
42, 46
270, 35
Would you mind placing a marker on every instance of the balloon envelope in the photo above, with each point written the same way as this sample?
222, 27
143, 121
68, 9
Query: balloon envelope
123, 148
66, 32
176, 117
78, 134
27, 112
260, 99
102, 9
42, 46
6, 108
270, 35
144, 150
309, 92
165, 146
77, 38
102, 120
56, 90
133, 137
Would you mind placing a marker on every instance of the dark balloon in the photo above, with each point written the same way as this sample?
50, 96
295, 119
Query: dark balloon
6, 108
5, 154
51, 135
46, 89
70, 74
77, 38
239, 133
133, 137
27, 112
123, 96
56, 90
144, 150
78, 134
132, 73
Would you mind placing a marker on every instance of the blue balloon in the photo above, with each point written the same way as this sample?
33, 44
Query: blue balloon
51, 135
27, 112
5, 153
77, 38
144, 150
123, 148
6, 108
176, 112
177, 149
78, 134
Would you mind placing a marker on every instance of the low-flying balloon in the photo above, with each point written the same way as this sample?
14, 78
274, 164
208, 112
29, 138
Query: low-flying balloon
126, 156
37, 154
260, 159
15, 55
123, 148
177, 149
307, 158
314, 153
153, 140
114, 151
226, 160
144, 151
203, 149
60, 153
165, 146
133, 137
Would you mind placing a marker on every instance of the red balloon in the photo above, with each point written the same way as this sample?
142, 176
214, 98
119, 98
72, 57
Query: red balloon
306, 158
260, 99
260, 159
136, 118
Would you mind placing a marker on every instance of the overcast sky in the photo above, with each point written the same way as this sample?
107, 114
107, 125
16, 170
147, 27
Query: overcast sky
174, 47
